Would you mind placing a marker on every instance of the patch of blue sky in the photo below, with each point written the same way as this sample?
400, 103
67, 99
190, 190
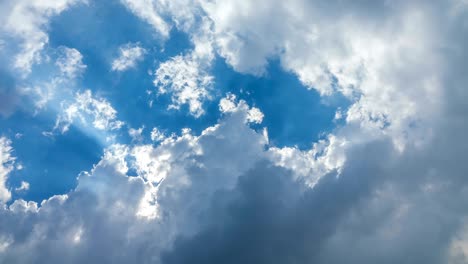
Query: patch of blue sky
126, 91
50, 165
294, 115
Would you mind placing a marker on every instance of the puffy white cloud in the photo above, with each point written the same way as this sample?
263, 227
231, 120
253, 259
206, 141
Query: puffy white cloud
86, 108
129, 55
23, 187
186, 80
70, 62
186, 76
136, 134
157, 135
23, 30
229, 104
58, 83
324, 157
27, 20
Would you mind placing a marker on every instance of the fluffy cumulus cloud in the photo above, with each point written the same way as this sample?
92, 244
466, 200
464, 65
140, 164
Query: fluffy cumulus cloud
26, 20
24, 44
129, 55
134, 217
186, 81
70, 62
224, 196
67, 67
186, 77
388, 185
86, 109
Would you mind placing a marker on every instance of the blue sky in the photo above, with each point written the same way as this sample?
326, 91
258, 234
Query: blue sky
153, 131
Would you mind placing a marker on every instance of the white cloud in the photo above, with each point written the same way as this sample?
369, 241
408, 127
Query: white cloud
70, 62
175, 181
23, 187
229, 104
255, 115
157, 135
186, 80
399, 158
87, 109
324, 157
6, 166
27, 20
136, 134
182, 183
333, 47
186, 77
148, 10
129, 55
58, 83
182, 13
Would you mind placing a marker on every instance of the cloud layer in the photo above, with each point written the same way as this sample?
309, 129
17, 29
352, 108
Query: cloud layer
387, 185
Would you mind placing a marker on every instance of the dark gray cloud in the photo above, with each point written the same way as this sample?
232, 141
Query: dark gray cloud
271, 218
383, 207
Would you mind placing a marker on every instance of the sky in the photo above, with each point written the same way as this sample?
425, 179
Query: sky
221, 131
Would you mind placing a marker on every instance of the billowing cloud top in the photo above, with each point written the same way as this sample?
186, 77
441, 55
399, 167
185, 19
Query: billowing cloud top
195, 131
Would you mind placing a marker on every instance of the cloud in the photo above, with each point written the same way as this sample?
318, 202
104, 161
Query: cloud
186, 77
148, 11
157, 135
398, 65
87, 109
388, 185
27, 20
136, 134
117, 213
226, 191
332, 47
129, 55
229, 104
6, 166
270, 218
42, 90
70, 62
246, 209
162, 14
23, 187
186, 80
336, 47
